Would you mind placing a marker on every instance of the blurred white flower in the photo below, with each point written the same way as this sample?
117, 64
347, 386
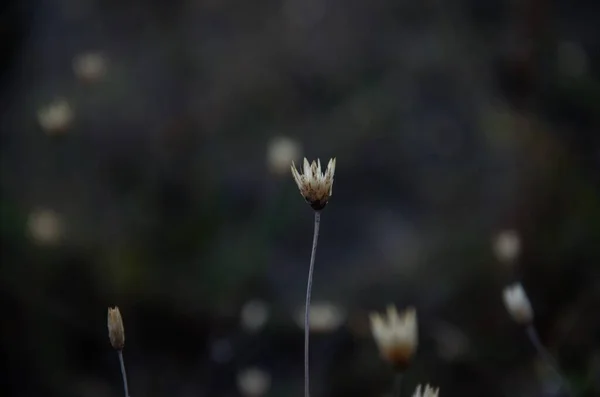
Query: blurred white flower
90, 66
427, 392
56, 117
396, 335
254, 315
45, 226
253, 382
507, 246
281, 151
323, 317
517, 304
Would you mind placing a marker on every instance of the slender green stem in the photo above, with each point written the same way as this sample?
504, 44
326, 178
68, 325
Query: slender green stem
398, 384
123, 373
307, 305
547, 357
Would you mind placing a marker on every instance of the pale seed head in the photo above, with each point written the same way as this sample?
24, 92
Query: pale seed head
428, 391
116, 332
396, 335
517, 304
315, 186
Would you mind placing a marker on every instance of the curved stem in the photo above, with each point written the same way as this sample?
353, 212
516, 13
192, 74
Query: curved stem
307, 305
123, 373
547, 357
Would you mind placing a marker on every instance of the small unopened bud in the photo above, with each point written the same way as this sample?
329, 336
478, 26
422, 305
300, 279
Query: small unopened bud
116, 332
507, 246
517, 304
396, 336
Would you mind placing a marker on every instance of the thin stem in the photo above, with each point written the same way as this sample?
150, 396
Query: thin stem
398, 384
307, 305
122, 362
547, 357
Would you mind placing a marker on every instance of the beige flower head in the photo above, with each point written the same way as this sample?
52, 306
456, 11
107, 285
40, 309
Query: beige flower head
315, 186
116, 332
396, 336
427, 392
517, 304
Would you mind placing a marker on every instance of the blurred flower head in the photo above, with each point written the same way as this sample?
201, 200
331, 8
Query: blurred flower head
428, 391
116, 331
315, 186
507, 246
56, 117
517, 303
90, 66
253, 382
254, 315
323, 317
396, 335
45, 226
282, 151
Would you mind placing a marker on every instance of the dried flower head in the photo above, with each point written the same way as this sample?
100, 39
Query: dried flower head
116, 332
396, 336
517, 303
315, 186
427, 392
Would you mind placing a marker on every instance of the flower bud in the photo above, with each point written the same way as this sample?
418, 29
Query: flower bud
116, 332
517, 304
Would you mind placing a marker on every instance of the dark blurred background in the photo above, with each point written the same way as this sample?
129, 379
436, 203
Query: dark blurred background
145, 151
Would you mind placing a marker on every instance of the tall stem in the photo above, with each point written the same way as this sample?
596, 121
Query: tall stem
123, 373
307, 305
398, 384
547, 357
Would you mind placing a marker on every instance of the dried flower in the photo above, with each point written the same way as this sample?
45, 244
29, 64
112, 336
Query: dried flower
315, 186
427, 392
517, 304
116, 332
396, 336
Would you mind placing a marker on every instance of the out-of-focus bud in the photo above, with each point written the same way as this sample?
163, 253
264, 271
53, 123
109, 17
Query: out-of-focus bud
56, 118
517, 304
281, 151
253, 382
116, 332
507, 246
